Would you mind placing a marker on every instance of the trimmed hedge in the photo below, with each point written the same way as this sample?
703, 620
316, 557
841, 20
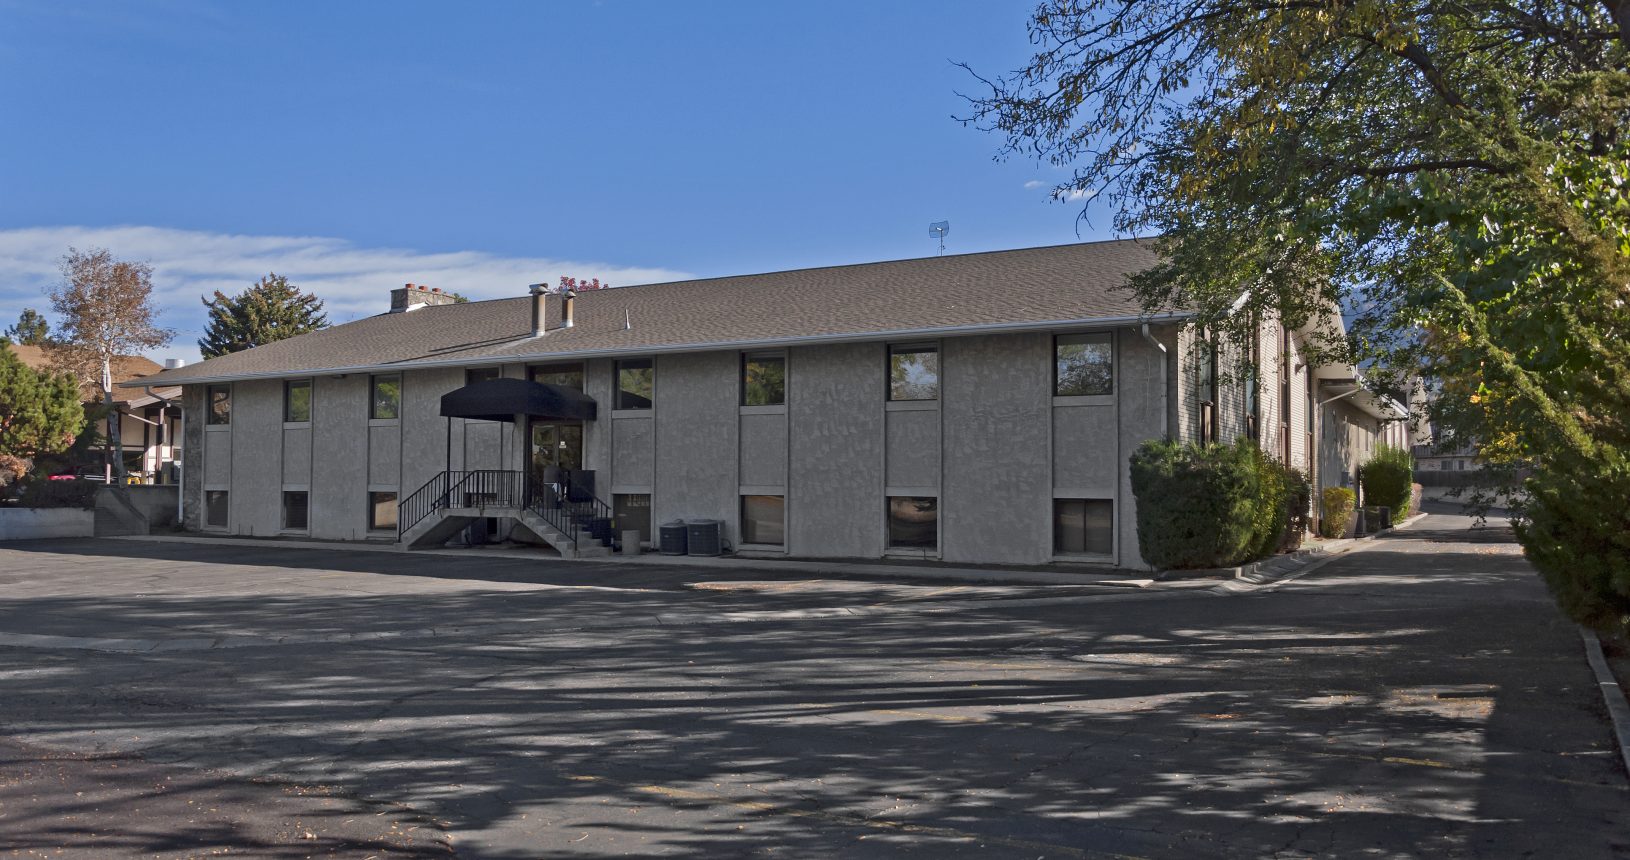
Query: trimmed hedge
41, 493
1213, 505
1337, 507
1298, 509
1387, 480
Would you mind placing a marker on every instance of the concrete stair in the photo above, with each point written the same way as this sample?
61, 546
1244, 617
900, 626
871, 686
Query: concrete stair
445, 523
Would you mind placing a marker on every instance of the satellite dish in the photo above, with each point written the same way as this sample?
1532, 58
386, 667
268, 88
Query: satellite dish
938, 230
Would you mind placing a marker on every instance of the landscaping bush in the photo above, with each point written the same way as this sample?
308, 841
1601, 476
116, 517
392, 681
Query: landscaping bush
41, 493
1269, 520
1196, 505
1387, 479
1336, 508
1298, 509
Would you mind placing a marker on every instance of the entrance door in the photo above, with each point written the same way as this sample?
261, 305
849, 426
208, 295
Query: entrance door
556, 444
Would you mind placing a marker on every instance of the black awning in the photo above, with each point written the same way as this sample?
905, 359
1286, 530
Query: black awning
503, 399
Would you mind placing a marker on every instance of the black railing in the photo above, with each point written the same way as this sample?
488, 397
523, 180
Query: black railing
556, 504
476, 488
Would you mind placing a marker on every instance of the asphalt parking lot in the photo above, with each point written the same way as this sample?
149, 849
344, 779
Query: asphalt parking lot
1421, 697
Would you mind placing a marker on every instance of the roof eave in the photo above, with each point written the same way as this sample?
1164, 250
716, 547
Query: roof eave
765, 343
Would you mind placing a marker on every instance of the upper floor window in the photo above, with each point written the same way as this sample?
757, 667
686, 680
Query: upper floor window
564, 375
763, 380
385, 400
220, 404
1084, 364
914, 373
480, 374
297, 401
636, 383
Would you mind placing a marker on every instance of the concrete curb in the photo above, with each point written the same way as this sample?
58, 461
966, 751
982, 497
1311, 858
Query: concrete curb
1618, 710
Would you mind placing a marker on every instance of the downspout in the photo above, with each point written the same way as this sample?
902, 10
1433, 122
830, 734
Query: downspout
1165, 383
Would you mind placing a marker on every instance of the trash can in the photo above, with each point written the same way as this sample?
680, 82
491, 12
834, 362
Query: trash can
703, 537
631, 541
671, 538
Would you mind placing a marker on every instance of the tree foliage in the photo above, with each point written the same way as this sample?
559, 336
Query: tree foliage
31, 329
270, 310
40, 414
1455, 176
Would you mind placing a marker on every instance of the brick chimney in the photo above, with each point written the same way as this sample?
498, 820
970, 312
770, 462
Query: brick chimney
413, 296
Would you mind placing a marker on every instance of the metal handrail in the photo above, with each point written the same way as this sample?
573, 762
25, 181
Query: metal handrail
548, 502
454, 489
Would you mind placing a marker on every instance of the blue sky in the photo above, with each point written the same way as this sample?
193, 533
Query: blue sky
483, 146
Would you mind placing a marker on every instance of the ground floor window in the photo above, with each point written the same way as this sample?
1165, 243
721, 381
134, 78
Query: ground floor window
382, 511
914, 522
632, 511
215, 508
295, 505
1084, 526
764, 520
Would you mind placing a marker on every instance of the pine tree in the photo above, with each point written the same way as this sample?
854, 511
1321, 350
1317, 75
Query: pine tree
31, 329
39, 414
271, 310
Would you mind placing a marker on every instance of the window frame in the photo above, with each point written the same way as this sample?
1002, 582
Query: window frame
747, 358
1085, 337
209, 404
480, 374
373, 399
895, 349
888, 526
741, 519
617, 369
373, 510
283, 512
311, 389
1084, 554
533, 371
226, 509
617, 507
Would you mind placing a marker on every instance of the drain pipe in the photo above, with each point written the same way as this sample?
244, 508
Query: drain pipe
1165, 383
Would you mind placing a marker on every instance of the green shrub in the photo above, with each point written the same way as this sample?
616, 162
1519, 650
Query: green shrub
1298, 507
1387, 479
41, 493
1577, 534
1336, 507
1269, 520
1196, 505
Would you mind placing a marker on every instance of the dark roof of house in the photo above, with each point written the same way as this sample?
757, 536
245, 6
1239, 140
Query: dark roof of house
125, 369
1033, 286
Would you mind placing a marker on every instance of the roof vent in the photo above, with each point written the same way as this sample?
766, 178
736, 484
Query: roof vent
173, 363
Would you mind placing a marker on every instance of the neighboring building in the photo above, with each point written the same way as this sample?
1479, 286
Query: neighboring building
149, 420
976, 408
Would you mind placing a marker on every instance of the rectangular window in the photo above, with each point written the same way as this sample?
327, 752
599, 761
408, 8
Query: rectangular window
564, 375
386, 400
763, 520
632, 511
295, 505
297, 401
636, 384
914, 522
1083, 365
1083, 526
215, 508
763, 380
914, 373
220, 404
480, 374
382, 511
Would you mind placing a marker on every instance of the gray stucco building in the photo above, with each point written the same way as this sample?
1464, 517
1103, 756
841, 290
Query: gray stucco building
976, 408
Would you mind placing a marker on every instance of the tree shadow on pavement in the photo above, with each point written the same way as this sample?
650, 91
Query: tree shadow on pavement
1446, 716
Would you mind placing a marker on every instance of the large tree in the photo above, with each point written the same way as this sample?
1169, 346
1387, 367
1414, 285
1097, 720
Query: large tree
31, 329
271, 309
1454, 175
106, 310
40, 414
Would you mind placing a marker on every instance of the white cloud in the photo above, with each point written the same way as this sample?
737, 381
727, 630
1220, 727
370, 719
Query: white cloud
1034, 183
353, 281
1074, 195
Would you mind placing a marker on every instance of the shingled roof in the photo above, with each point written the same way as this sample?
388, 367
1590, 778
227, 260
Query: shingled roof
1000, 290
